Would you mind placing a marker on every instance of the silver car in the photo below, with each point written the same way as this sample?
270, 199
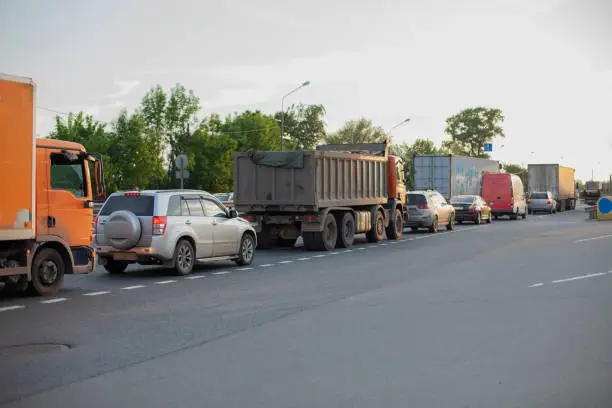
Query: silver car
541, 201
173, 228
428, 209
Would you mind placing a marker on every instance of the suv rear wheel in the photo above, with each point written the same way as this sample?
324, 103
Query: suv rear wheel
184, 257
115, 267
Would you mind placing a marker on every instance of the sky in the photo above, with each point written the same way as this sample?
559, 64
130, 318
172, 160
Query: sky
547, 64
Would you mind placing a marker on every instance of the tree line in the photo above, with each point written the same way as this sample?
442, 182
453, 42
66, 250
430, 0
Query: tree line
139, 147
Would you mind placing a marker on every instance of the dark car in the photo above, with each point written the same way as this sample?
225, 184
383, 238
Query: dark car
471, 208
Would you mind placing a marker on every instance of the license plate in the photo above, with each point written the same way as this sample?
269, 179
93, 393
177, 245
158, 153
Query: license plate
491, 203
124, 257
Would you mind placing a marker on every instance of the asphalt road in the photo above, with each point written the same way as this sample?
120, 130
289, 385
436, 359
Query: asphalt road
512, 314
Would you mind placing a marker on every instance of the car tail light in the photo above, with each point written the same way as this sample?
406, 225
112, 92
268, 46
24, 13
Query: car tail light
422, 207
132, 194
95, 225
547, 201
311, 218
471, 207
528, 200
249, 218
159, 225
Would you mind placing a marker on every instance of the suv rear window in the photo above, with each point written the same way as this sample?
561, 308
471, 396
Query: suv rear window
416, 199
140, 205
537, 196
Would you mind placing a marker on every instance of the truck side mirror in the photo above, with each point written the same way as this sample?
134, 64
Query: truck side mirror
99, 177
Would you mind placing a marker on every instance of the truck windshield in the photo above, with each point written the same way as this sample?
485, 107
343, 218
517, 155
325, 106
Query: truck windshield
67, 175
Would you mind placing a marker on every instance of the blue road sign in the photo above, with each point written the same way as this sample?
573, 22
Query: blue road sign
488, 147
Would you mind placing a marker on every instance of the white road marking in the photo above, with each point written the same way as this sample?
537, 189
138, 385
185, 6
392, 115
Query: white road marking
285, 262
536, 285
393, 242
593, 238
382, 244
348, 250
133, 287
56, 300
266, 265
165, 282
220, 273
102, 292
8, 308
360, 249
334, 253
319, 256
196, 277
591, 275
245, 269
303, 259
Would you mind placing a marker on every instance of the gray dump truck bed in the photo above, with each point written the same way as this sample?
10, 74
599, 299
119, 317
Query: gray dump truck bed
307, 181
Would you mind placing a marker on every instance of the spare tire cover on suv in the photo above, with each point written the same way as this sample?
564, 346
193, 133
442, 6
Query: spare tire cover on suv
123, 229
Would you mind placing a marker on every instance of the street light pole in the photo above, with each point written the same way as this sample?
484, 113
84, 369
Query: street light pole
403, 122
282, 127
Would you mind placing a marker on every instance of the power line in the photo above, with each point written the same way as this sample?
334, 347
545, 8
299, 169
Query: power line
52, 110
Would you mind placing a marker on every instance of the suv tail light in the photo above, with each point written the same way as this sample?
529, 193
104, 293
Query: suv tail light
548, 201
159, 225
132, 194
422, 207
528, 200
95, 225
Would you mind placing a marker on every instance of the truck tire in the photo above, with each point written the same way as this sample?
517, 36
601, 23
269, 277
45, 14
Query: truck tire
265, 239
377, 233
115, 267
48, 269
346, 230
286, 242
324, 240
17, 284
396, 226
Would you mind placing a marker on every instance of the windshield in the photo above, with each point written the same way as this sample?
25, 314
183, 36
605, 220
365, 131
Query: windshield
463, 200
223, 196
416, 199
140, 205
539, 196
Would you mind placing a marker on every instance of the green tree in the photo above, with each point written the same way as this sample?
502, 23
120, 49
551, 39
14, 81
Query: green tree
303, 126
83, 129
518, 170
471, 128
253, 130
407, 152
357, 131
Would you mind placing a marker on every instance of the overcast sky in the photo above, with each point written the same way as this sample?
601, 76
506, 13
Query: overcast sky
546, 63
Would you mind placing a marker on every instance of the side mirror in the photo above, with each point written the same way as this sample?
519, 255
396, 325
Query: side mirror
99, 176
233, 213
89, 204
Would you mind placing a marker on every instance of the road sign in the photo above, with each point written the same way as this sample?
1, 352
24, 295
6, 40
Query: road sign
182, 174
181, 162
488, 147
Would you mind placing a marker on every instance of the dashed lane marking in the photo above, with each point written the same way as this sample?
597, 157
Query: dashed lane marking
101, 292
245, 269
166, 282
591, 275
56, 300
319, 256
195, 277
593, 238
220, 273
133, 287
266, 265
303, 259
536, 285
9, 308
285, 262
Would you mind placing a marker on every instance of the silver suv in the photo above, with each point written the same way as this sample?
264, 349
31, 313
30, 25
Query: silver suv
428, 209
173, 228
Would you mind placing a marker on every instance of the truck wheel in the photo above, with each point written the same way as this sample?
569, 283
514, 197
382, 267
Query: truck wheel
48, 271
324, 240
396, 226
184, 257
265, 239
115, 267
376, 234
346, 230
286, 242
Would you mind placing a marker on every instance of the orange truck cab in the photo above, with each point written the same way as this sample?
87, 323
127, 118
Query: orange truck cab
47, 189
505, 194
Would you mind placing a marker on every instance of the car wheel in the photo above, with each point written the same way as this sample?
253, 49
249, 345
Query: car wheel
247, 250
115, 267
48, 271
524, 215
451, 223
490, 218
184, 257
434, 225
478, 219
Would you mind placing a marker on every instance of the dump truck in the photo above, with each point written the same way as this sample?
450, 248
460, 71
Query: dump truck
592, 192
326, 196
47, 198
451, 175
557, 179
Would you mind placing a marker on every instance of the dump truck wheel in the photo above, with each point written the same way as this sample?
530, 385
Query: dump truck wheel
346, 230
265, 239
396, 226
376, 234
